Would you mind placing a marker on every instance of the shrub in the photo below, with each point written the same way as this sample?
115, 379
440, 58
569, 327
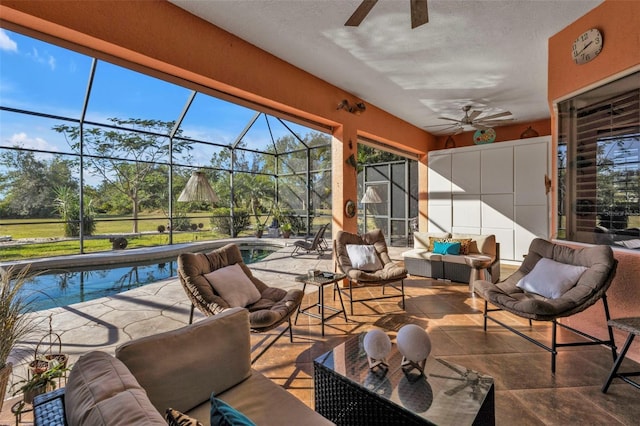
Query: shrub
221, 220
181, 222
161, 229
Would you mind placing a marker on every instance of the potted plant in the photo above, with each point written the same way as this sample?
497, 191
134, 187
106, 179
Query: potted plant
259, 230
286, 230
40, 383
15, 324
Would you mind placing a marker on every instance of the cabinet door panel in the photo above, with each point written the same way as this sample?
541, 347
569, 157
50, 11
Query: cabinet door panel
439, 218
466, 210
497, 211
465, 172
530, 162
497, 170
530, 222
439, 179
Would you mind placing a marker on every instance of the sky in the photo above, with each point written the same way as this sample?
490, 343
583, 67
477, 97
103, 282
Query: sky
41, 77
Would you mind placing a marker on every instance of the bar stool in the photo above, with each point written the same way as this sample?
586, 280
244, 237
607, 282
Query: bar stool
632, 326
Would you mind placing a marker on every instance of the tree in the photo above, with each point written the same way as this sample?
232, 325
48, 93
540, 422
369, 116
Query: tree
125, 156
29, 181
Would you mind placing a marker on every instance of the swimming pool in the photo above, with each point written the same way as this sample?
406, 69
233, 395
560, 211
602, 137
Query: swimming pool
65, 287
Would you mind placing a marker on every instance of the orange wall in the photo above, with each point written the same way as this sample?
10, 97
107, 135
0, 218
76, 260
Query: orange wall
619, 23
503, 133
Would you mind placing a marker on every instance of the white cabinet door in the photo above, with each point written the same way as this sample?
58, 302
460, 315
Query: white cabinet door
465, 172
497, 170
466, 211
439, 179
497, 211
530, 167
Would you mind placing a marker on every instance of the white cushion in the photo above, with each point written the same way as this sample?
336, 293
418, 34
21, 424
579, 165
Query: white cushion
551, 279
234, 286
364, 257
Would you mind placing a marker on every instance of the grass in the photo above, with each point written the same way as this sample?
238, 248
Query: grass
148, 235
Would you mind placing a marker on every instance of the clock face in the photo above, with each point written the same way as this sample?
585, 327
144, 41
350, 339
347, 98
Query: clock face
587, 46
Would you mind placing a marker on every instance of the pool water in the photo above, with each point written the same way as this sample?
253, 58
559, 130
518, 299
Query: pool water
62, 288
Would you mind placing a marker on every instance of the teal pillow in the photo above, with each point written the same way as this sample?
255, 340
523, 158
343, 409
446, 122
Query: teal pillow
446, 248
222, 414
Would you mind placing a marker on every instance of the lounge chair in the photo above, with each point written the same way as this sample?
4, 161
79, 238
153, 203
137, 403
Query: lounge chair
350, 249
317, 244
544, 300
219, 280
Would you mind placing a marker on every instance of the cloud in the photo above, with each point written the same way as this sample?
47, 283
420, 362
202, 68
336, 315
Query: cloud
24, 141
6, 43
46, 59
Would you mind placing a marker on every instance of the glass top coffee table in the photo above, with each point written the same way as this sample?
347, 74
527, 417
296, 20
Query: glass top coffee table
347, 392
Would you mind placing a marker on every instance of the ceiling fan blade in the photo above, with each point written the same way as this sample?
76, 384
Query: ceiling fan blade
360, 13
493, 122
450, 119
498, 115
479, 126
474, 114
419, 13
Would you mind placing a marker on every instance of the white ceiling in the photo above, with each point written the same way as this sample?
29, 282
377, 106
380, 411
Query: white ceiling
491, 54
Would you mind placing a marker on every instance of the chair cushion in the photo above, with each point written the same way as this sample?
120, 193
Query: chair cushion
363, 257
550, 278
274, 306
233, 285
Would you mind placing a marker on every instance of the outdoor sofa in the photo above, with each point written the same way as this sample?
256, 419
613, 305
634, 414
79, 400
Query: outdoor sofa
483, 255
186, 369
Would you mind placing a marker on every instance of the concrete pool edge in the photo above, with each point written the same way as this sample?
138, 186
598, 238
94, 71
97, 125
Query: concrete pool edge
116, 257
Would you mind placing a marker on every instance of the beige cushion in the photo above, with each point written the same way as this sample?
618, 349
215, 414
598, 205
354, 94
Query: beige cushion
265, 403
180, 368
363, 257
421, 239
234, 286
101, 390
485, 244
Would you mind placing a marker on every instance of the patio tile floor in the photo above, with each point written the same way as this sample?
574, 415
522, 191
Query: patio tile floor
526, 391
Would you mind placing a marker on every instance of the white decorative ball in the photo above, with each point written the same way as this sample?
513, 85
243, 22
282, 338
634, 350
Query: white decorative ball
413, 343
377, 344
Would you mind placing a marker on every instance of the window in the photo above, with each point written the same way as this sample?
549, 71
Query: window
599, 165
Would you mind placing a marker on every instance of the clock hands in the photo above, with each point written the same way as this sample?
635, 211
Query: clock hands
583, 49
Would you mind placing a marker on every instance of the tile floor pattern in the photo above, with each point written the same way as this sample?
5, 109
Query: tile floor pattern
526, 391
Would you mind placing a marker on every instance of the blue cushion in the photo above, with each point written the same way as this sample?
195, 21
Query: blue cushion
222, 414
446, 248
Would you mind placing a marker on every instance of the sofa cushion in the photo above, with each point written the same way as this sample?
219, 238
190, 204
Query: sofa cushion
180, 368
234, 286
423, 254
222, 414
99, 386
485, 244
265, 403
421, 240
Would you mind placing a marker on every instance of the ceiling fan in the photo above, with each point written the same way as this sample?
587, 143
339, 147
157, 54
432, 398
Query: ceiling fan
474, 120
419, 13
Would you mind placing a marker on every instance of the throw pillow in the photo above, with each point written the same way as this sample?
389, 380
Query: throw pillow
222, 414
551, 279
465, 243
446, 248
363, 257
176, 418
234, 286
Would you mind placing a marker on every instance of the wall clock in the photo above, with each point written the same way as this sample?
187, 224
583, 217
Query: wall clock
350, 208
484, 136
587, 46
